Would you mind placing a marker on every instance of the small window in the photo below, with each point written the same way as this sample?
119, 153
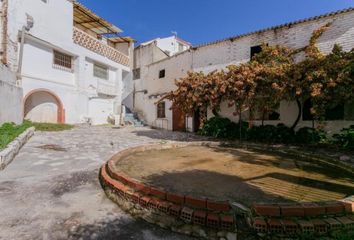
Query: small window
336, 113
180, 47
161, 113
306, 111
100, 71
136, 73
162, 73
255, 50
62, 61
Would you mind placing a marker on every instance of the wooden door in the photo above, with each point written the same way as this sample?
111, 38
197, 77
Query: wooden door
179, 120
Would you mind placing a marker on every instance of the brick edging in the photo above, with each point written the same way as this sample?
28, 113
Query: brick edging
208, 214
9, 153
275, 219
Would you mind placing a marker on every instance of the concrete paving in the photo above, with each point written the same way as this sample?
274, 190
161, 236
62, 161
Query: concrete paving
51, 189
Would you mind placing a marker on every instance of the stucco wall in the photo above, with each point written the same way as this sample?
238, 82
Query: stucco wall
83, 95
218, 55
10, 97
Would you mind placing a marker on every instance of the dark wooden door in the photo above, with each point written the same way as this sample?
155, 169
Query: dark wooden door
179, 120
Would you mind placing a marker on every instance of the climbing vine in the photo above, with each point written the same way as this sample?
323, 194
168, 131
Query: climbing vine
272, 76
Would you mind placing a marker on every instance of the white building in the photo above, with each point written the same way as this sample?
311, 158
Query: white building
158, 73
143, 78
71, 64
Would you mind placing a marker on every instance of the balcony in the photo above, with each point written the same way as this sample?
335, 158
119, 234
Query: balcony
85, 40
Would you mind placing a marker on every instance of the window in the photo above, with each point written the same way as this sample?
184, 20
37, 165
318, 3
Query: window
62, 61
336, 113
269, 116
100, 71
339, 112
136, 73
255, 50
162, 73
180, 47
306, 111
161, 113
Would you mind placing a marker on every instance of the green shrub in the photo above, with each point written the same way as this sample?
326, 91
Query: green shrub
308, 135
271, 134
218, 127
345, 138
9, 131
284, 134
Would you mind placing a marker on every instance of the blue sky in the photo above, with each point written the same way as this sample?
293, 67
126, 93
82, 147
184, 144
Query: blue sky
201, 21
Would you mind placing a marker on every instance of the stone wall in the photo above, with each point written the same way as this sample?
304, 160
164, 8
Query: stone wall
11, 109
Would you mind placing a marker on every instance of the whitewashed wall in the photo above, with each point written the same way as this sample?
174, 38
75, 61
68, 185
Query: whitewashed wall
83, 95
10, 97
236, 50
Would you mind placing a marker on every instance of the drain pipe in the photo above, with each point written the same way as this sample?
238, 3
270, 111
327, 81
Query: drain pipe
24, 30
20, 60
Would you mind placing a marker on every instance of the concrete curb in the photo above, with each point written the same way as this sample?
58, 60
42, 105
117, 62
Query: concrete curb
9, 153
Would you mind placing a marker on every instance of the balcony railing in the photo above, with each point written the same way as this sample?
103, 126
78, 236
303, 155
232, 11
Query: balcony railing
85, 40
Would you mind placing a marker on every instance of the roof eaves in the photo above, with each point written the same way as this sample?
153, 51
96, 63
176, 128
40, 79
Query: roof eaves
276, 27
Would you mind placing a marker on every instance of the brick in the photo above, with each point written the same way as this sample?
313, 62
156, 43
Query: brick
292, 211
195, 203
135, 197
306, 227
275, 226
158, 193
164, 206
260, 225
290, 227
120, 188
334, 208
267, 210
218, 206
187, 214
174, 198
320, 226
132, 183
313, 210
227, 222
346, 222
175, 210
142, 188
144, 201
213, 220
153, 204
199, 217
348, 205
333, 224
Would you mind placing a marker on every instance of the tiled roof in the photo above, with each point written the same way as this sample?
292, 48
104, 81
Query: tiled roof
278, 27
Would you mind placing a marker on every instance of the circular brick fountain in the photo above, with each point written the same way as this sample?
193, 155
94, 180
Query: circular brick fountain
190, 188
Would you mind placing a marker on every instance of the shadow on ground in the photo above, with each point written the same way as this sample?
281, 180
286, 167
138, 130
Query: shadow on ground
212, 185
123, 229
171, 136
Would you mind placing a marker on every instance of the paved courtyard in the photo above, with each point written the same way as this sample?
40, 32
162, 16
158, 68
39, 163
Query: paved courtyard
51, 189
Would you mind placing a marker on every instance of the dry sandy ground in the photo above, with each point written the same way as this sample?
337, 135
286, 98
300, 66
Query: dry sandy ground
238, 175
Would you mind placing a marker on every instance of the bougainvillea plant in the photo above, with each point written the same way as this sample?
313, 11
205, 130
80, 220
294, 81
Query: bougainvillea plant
272, 76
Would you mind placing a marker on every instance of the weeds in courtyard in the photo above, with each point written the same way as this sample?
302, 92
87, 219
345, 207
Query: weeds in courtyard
52, 127
9, 131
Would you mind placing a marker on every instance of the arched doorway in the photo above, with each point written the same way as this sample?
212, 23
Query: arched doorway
42, 105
